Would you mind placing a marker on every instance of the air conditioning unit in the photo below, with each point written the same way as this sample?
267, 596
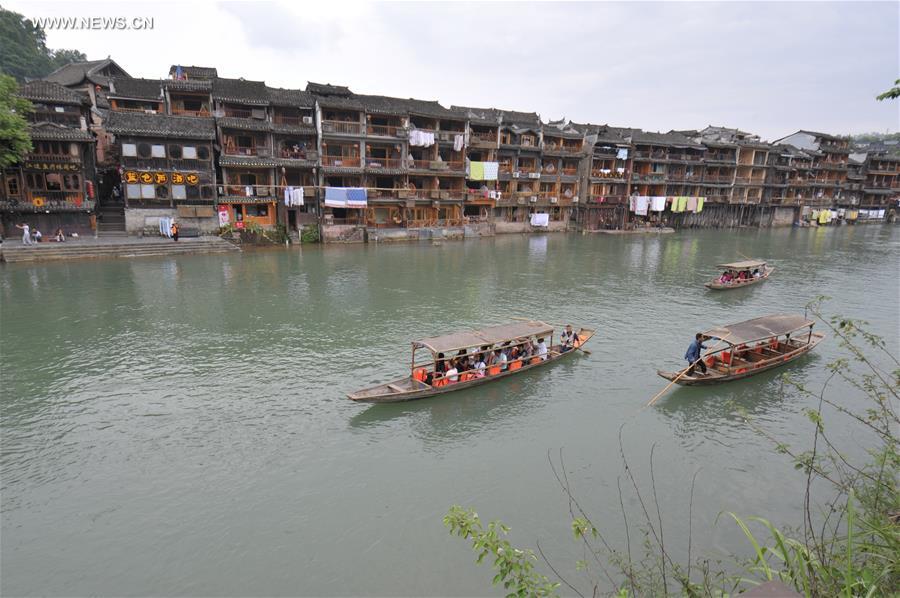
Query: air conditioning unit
574, 200
149, 111
554, 199
533, 199
307, 120
515, 175
534, 175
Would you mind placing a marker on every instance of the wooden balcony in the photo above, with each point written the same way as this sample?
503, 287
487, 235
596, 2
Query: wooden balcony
612, 174
293, 121
183, 112
340, 127
238, 113
260, 191
569, 170
240, 150
385, 131
387, 163
483, 139
341, 161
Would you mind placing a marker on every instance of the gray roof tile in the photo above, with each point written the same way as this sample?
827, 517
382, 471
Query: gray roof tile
51, 93
161, 125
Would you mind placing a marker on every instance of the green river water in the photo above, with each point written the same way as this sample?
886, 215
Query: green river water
179, 426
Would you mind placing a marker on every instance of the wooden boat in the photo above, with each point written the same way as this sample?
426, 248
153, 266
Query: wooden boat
424, 382
751, 347
735, 268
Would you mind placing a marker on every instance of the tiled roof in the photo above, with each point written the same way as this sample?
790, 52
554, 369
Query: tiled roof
195, 72
391, 105
76, 73
241, 91
479, 116
669, 139
290, 97
51, 93
244, 124
188, 85
142, 89
562, 129
55, 132
327, 89
823, 135
530, 119
161, 125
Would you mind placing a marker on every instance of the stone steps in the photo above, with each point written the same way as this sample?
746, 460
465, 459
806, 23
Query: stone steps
77, 250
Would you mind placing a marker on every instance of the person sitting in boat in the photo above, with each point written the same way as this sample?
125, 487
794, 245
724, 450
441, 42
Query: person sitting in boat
452, 374
542, 349
503, 358
479, 366
756, 273
693, 355
567, 339
726, 277
527, 349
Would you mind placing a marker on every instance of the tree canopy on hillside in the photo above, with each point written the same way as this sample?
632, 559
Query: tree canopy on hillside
23, 48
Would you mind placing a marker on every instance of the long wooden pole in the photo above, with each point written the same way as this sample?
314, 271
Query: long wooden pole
685, 371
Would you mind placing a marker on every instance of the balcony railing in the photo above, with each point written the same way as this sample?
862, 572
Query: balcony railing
384, 163
53, 201
56, 158
242, 150
341, 161
238, 113
569, 170
481, 137
292, 121
60, 118
291, 154
385, 131
235, 189
611, 174
183, 112
658, 155
713, 178
340, 127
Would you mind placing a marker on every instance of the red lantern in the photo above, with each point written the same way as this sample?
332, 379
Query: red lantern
90, 189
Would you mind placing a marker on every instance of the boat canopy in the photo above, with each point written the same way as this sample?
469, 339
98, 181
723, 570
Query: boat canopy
745, 265
486, 336
759, 329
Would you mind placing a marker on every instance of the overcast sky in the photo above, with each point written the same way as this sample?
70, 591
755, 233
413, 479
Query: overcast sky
770, 68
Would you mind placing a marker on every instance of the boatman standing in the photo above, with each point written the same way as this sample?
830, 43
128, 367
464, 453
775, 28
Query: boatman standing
693, 355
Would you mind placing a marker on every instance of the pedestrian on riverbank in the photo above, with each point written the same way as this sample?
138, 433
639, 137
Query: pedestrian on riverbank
37, 236
174, 230
26, 233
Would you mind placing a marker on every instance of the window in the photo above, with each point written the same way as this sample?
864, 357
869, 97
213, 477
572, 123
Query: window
143, 150
54, 182
162, 192
70, 182
178, 192
148, 191
259, 211
158, 151
189, 152
193, 192
133, 191
129, 149
203, 153
12, 185
73, 149
238, 212
194, 105
175, 151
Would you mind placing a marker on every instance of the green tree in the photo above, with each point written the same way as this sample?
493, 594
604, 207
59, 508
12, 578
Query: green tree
14, 139
23, 48
891, 94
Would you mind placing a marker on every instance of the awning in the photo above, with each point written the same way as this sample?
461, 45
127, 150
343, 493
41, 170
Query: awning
759, 328
485, 336
745, 265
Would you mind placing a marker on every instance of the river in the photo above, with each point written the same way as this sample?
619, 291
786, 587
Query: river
179, 426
